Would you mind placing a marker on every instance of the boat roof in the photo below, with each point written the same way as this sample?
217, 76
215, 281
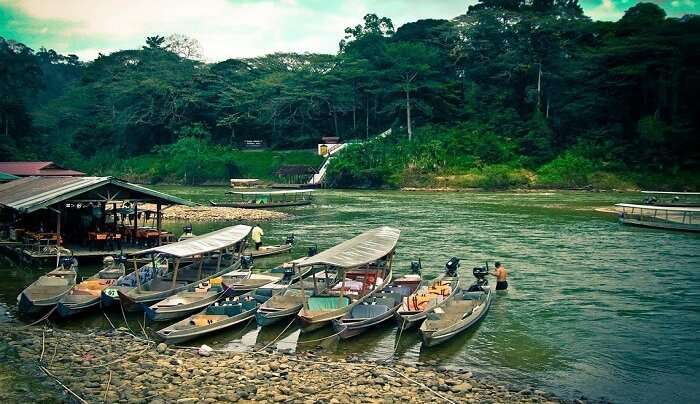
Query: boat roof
359, 250
205, 243
656, 207
670, 193
293, 191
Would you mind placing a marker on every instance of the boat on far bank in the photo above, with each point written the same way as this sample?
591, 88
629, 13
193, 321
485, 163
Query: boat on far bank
266, 199
660, 217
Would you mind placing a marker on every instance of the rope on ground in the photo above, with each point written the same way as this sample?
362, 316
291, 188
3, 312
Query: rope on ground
121, 306
420, 384
77, 397
55, 350
108, 320
123, 358
44, 317
278, 336
43, 338
109, 380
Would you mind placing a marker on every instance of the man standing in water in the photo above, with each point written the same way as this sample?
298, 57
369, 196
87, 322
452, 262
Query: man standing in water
256, 235
501, 275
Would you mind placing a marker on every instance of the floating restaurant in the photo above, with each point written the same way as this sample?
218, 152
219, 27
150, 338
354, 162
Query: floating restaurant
90, 216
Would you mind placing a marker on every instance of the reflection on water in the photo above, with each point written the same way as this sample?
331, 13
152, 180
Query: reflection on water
594, 308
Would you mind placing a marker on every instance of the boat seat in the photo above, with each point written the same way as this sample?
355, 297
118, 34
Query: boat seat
319, 303
472, 295
368, 311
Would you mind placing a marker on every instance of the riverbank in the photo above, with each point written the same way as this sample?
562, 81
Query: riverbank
218, 213
115, 366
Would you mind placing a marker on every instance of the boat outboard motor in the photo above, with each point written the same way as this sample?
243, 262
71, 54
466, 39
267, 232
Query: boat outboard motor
288, 275
313, 250
452, 266
416, 267
480, 274
247, 261
290, 239
67, 262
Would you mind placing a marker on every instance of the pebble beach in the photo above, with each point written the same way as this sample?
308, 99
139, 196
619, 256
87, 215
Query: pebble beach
53, 365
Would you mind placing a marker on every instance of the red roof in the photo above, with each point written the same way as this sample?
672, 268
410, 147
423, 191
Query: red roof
36, 168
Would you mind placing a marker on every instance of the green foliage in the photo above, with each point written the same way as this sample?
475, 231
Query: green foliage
566, 171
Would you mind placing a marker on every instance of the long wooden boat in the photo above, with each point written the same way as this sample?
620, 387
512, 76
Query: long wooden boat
364, 263
213, 260
86, 295
660, 217
237, 283
186, 302
467, 308
155, 266
376, 309
216, 317
288, 303
268, 250
267, 199
438, 292
44, 293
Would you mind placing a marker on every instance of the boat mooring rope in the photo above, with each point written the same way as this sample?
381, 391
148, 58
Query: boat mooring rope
44, 317
278, 336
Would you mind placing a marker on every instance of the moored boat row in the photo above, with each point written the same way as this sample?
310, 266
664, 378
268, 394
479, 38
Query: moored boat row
349, 286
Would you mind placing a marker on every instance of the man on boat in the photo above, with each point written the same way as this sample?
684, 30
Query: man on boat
501, 275
256, 234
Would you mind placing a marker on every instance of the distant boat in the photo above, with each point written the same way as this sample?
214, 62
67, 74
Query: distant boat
267, 199
216, 317
44, 293
86, 295
460, 313
364, 264
268, 250
660, 217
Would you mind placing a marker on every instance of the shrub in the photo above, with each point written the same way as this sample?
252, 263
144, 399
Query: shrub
567, 171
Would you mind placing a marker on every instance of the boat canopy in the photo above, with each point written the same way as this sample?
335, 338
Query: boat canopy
660, 208
216, 240
293, 191
360, 250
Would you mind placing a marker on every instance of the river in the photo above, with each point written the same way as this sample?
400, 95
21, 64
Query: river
594, 308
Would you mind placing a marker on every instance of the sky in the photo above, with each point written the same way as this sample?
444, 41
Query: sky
233, 28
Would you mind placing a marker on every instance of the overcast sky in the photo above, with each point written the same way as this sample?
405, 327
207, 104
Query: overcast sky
232, 28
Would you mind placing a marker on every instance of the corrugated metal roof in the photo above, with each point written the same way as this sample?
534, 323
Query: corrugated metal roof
360, 250
33, 193
36, 168
205, 243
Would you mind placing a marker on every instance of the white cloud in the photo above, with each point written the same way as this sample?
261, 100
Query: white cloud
606, 11
224, 28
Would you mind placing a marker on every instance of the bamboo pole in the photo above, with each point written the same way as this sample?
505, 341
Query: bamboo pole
313, 275
58, 237
137, 271
199, 269
158, 222
177, 267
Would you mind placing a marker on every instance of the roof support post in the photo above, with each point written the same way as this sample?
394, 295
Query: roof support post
137, 271
158, 222
199, 269
136, 218
303, 289
342, 287
177, 268
58, 237
313, 275
114, 214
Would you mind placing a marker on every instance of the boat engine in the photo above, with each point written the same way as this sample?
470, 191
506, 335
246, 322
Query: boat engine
288, 275
313, 250
67, 262
290, 239
247, 261
452, 266
480, 274
187, 229
416, 267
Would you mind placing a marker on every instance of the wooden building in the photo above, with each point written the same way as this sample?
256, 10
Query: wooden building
91, 216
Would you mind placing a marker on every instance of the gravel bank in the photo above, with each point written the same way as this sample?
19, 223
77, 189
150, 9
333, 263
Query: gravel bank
116, 367
214, 213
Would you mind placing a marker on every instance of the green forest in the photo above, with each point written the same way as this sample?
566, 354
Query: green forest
512, 93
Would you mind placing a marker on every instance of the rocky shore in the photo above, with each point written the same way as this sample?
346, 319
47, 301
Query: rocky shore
216, 213
114, 366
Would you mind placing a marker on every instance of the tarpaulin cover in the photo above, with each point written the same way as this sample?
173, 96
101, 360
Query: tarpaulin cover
209, 242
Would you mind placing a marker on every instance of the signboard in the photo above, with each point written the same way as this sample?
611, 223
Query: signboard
254, 144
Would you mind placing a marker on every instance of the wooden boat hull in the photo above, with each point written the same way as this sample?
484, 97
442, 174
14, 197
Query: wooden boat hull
171, 313
661, 225
312, 321
269, 251
348, 330
245, 205
432, 338
65, 309
408, 321
180, 337
36, 299
269, 317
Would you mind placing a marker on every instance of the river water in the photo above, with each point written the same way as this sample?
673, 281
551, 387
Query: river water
594, 308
